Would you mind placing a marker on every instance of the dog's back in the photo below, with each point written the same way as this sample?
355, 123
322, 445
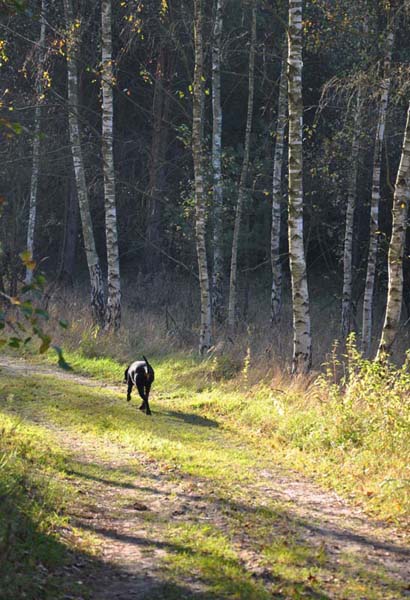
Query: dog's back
139, 368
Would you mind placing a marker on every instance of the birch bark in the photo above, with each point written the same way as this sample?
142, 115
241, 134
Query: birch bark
276, 292
113, 311
396, 248
96, 280
302, 343
35, 172
217, 271
197, 150
349, 222
243, 178
375, 202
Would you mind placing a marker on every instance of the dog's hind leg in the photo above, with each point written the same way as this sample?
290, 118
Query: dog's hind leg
147, 390
141, 390
129, 390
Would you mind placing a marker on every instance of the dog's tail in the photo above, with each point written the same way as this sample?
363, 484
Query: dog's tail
126, 375
150, 369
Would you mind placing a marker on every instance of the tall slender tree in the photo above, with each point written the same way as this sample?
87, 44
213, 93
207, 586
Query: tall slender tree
396, 248
73, 27
35, 171
217, 270
165, 62
375, 201
243, 177
302, 342
346, 318
276, 291
113, 313
197, 150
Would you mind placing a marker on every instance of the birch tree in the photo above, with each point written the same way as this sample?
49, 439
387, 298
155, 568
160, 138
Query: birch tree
276, 292
375, 200
302, 343
200, 212
97, 300
243, 177
217, 271
396, 248
35, 171
113, 312
349, 221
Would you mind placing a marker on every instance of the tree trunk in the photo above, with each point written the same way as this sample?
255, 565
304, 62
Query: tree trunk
113, 313
375, 201
93, 263
70, 236
217, 271
302, 342
276, 292
349, 225
243, 178
156, 187
35, 172
197, 150
396, 248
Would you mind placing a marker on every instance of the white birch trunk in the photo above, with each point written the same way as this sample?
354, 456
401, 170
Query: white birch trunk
93, 263
243, 178
276, 291
113, 313
375, 202
349, 222
396, 248
35, 172
302, 342
217, 271
197, 150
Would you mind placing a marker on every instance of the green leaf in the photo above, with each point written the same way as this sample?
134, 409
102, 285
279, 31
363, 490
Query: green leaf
63, 323
40, 280
42, 313
17, 128
45, 344
61, 360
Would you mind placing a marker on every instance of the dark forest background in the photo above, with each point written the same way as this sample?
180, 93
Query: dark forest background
153, 55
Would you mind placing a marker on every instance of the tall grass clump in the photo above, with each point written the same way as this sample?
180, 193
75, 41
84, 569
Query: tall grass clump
356, 423
349, 426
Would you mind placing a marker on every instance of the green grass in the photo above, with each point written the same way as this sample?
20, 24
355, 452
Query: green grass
33, 501
201, 428
220, 423
352, 436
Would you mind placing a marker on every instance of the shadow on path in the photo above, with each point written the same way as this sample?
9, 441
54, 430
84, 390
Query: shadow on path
192, 419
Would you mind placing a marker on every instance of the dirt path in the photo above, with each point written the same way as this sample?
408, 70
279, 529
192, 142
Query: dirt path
130, 523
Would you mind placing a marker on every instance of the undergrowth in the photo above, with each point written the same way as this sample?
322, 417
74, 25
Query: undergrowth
349, 426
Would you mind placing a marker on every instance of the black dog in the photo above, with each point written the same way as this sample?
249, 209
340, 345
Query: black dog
141, 374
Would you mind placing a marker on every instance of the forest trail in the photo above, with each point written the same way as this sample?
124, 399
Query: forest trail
162, 531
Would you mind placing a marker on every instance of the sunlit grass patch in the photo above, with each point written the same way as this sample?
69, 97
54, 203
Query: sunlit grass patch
198, 434
203, 551
351, 434
33, 499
